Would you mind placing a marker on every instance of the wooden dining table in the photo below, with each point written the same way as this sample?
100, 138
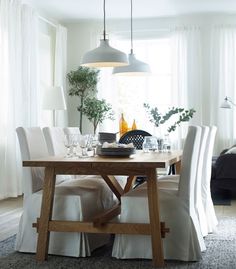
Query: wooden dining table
107, 167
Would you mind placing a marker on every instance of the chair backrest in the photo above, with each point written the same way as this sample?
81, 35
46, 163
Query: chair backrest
54, 137
201, 159
72, 130
189, 164
32, 146
206, 177
198, 184
134, 136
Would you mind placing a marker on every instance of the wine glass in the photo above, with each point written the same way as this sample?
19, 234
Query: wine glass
68, 145
75, 143
94, 142
83, 142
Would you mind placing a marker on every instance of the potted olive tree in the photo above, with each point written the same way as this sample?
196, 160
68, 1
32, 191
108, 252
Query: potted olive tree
97, 111
83, 83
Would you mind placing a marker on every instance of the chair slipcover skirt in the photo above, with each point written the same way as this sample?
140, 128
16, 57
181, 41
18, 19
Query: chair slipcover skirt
182, 243
73, 201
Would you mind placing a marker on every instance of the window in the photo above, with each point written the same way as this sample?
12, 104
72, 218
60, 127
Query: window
127, 94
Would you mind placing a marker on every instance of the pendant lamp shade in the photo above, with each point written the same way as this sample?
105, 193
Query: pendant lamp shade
135, 67
104, 55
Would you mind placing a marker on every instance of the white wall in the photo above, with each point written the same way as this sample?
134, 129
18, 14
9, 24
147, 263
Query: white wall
79, 41
84, 35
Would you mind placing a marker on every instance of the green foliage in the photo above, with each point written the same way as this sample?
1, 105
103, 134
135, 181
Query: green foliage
157, 118
83, 83
97, 111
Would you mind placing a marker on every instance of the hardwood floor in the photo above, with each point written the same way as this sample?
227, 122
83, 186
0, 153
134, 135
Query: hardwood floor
226, 211
11, 209
10, 212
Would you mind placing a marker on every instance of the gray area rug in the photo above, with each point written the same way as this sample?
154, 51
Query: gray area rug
220, 253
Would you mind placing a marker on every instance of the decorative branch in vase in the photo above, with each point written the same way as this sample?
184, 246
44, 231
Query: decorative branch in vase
156, 117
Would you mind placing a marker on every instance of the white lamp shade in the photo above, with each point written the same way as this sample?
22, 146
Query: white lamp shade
54, 99
226, 104
104, 56
135, 68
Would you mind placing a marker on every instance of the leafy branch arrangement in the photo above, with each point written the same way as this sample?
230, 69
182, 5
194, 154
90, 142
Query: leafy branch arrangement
83, 83
157, 118
97, 111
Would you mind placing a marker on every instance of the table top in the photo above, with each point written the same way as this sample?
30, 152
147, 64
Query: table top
141, 159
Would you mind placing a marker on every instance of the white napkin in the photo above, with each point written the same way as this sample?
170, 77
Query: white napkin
117, 145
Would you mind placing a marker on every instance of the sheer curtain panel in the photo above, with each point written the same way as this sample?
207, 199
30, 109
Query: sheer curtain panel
60, 69
18, 88
187, 80
223, 83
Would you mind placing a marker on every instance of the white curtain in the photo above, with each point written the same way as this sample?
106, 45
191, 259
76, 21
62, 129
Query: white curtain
18, 88
60, 69
222, 83
187, 78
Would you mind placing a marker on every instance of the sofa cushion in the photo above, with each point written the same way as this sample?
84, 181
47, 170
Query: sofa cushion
231, 151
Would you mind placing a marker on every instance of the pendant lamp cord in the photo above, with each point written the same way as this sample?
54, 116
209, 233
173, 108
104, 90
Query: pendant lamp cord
104, 19
131, 24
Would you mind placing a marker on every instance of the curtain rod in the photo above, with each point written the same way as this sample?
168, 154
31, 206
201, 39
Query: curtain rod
47, 21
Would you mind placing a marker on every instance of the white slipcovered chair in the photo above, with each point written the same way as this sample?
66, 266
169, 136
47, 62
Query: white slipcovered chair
203, 202
72, 130
54, 138
177, 210
71, 202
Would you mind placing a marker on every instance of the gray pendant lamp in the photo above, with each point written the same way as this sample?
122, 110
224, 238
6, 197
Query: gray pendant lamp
135, 67
104, 55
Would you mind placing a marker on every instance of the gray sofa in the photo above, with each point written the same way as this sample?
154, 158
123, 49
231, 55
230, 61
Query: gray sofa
224, 171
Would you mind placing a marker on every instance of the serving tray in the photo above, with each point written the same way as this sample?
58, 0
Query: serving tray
116, 152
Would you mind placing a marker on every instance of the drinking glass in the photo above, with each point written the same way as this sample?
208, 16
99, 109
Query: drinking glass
84, 143
150, 143
166, 144
68, 145
160, 142
94, 142
75, 143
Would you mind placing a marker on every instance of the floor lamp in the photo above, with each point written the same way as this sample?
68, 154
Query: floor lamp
54, 100
227, 103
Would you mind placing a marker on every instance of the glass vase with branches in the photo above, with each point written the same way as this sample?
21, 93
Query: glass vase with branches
181, 115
